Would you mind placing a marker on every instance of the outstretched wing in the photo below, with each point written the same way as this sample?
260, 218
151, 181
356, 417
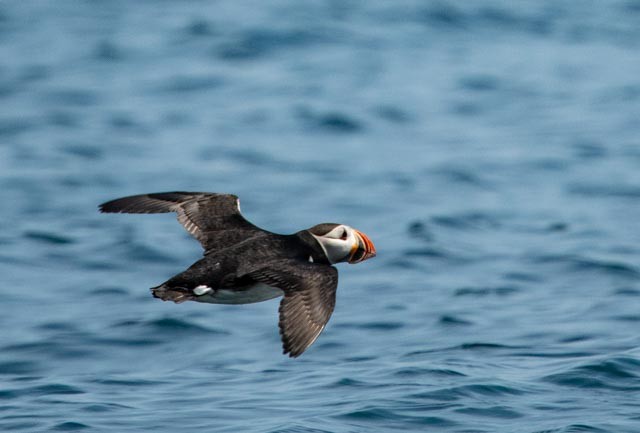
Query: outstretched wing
213, 219
309, 299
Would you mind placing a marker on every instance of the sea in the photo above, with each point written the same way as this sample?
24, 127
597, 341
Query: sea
490, 149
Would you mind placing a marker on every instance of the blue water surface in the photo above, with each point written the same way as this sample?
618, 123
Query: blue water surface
490, 149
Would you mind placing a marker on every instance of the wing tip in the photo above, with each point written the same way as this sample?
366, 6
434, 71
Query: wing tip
107, 207
292, 353
142, 203
289, 347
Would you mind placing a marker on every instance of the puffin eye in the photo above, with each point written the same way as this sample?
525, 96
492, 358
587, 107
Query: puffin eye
344, 235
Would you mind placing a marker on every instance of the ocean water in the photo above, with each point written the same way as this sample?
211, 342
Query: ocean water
490, 149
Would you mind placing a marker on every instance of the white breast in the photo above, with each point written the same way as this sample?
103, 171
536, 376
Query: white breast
256, 293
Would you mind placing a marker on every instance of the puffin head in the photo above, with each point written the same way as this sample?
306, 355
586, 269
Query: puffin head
342, 243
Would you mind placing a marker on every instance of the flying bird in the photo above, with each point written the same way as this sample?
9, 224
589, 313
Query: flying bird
243, 263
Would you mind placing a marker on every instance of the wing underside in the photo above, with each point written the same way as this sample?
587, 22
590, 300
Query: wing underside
309, 300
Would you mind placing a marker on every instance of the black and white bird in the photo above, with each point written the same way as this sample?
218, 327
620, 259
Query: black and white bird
243, 263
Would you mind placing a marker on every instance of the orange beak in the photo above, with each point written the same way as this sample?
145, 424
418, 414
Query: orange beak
363, 250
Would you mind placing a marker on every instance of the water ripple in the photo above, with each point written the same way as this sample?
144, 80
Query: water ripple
581, 264
491, 412
465, 391
620, 373
378, 414
481, 145
168, 325
255, 43
420, 371
70, 426
331, 121
40, 390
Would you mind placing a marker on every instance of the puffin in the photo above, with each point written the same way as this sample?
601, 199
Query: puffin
243, 263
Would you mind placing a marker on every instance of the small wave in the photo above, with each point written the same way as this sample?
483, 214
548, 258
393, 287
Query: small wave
83, 151
109, 291
12, 127
70, 426
63, 119
627, 291
58, 327
448, 319
108, 51
581, 264
378, 414
444, 15
53, 349
485, 346
40, 390
27, 425
419, 230
190, 84
606, 190
562, 353
621, 373
465, 391
376, 326
627, 317
480, 83
104, 407
486, 291
351, 383
200, 27
256, 43
421, 371
338, 122
576, 338
252, 157
394, 263
435, 253
180, 325
491, 412
299, 429
589, 149
20, 367
574, 428
393, 114
124, 121
462, 175
606, 266
330, 121
169, 325
449, 16
127, 382
127, 342
48, 237
135, 251
618, 368
577, 428
382, 326
523, 276
465, 346
467, 221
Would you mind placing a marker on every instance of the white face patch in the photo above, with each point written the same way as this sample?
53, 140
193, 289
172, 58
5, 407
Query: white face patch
335, 245
201, 290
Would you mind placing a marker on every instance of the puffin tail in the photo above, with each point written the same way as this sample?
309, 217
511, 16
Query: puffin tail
175, 294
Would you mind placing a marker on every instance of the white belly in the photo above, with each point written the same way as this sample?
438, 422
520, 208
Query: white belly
257, 293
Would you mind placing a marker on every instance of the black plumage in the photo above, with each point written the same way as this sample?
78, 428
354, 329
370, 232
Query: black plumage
243, 263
